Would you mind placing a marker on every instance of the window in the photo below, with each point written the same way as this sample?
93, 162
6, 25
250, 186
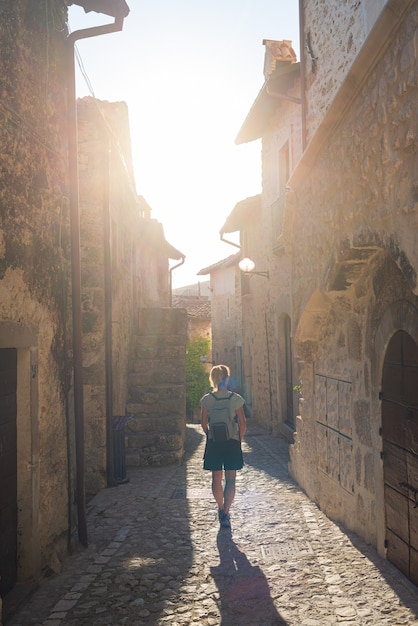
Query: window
283, 168
277, 208
245, 284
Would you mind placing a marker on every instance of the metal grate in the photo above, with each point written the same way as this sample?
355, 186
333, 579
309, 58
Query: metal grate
286, 549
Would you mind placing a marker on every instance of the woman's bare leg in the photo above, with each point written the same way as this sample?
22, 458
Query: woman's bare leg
229, 491
217, 488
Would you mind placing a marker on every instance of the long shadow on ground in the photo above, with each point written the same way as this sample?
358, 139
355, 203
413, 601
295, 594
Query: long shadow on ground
243, 588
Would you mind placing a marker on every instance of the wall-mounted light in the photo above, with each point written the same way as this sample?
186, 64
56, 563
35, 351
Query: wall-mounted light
247, 266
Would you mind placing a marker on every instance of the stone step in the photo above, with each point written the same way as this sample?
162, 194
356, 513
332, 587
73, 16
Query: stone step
144, 425
154, 441
349, 269
153, 458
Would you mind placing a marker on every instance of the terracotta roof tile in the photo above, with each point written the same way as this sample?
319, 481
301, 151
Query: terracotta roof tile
197, 307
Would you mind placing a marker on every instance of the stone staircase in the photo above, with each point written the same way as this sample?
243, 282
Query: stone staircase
157, 389
348, 269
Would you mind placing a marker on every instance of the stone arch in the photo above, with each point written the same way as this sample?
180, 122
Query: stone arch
400, 315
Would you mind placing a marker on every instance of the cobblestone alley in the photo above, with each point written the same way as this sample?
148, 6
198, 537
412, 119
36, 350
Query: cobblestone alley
156, 556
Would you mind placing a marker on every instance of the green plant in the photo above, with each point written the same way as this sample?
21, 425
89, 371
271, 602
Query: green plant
298, 387
197, 381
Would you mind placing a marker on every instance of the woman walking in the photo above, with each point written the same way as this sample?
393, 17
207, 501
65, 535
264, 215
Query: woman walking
223, 455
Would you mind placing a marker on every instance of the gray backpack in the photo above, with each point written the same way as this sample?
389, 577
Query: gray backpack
222, 426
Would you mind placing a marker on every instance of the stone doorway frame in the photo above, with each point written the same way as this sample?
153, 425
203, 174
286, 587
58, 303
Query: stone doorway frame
24, 340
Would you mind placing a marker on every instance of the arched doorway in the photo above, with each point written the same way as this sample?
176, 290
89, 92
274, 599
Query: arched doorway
284, 369
400, 452
288, 372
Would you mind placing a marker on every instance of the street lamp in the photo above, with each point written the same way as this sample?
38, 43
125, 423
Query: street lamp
247, 266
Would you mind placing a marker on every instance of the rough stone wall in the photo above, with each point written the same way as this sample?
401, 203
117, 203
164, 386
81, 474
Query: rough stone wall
356, 211
256, 325
199, 328
157, 389
105, 187
286, 129
362, 188
268, 242
337, 30
34, 269
274, 249
138, 267
226, 317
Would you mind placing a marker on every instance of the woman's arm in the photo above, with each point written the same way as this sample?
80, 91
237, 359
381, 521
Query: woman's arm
242, 422
204, 419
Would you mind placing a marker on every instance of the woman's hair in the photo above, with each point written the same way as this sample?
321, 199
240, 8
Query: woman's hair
218, 373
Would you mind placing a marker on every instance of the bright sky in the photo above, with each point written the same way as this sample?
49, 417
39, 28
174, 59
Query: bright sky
189, 71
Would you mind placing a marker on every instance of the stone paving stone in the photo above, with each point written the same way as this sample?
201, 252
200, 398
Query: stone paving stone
156, 556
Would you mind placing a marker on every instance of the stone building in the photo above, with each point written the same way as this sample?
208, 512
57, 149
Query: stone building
198, 309
125, 269
226, 315
337, 316
34, 274
198, 314
125, 280
270, 374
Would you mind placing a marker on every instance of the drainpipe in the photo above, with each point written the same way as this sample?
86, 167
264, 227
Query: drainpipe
231, 243
171, 277
76, 266
108, 312
302, 71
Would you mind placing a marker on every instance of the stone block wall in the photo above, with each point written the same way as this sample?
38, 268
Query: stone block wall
337, 31
157, 389
226, 317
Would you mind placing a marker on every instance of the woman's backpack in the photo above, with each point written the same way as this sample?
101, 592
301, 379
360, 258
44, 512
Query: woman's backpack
222, 426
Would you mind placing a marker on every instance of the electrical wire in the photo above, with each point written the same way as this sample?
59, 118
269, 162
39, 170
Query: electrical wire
83, 71
109, 129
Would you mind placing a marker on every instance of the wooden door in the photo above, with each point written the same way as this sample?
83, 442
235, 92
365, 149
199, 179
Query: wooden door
288, 368
8, 470
400, 452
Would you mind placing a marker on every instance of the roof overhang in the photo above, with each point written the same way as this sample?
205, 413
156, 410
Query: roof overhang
151, 234
173, 253
230, 261
273, 92
242, 214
